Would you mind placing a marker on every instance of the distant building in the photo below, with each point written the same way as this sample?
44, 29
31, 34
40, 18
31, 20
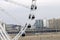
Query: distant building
11, 28
54, 23
58, 23
38, 23
45, 22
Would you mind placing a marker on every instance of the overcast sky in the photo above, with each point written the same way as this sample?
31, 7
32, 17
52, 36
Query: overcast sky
46, 9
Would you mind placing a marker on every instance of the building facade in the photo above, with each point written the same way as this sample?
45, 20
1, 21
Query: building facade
54, 23
11, 28
38, 23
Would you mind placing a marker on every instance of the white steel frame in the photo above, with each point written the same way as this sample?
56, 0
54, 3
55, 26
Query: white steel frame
4, 35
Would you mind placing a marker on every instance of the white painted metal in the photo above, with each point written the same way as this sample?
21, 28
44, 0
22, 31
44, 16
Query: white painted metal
4, 33
11, 1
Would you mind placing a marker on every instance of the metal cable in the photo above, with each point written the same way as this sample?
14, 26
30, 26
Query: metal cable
17, 4
24, 28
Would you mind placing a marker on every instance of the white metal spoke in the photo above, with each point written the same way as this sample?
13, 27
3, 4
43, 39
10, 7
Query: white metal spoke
32, 12
17, 3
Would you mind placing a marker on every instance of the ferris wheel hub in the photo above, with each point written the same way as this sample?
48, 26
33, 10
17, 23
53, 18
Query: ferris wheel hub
29, 26
33, 7
33, 17
33, 0
23, 35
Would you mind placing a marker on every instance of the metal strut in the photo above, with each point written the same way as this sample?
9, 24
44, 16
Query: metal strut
17, 4
27, 25
3, 33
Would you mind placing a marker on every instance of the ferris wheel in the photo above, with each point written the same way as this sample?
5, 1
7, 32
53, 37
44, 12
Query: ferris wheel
31, 17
